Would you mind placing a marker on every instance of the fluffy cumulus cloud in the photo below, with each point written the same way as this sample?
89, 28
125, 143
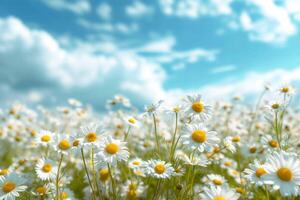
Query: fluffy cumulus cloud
39, 67
138, 9
35, 63
253, 83
274, 23
268, 21
119, 27
162, 51
104, 11
77, 6
195, 8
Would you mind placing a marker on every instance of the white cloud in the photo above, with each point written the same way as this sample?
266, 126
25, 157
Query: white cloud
293, 7
222, 69
195, 8
252, 83
189, 56
104, 11
77, 6
138, 9
165, 44
43, 62
273, 25
268, 21
109, 26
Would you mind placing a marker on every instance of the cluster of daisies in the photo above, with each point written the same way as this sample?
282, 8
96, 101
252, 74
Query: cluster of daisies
191, 150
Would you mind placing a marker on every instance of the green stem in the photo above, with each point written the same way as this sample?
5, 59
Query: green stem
173, 147
156, 134
267, 193
94, 174
87, 173
156, 193
112, 182
127, 133
57, 176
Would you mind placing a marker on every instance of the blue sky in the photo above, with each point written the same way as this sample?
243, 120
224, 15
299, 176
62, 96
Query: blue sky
147, 50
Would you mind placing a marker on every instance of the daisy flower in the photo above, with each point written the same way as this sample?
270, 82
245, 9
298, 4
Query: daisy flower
198, 137
104, 174
199, 160
44, 137
42, 190
46, 169
228, 163
62, 144
274, 106
196, 108
286, 90
283, 172
158, 169
153, 108
219, 193
215, 179
255, 173
135, 163
76, 143
132, 190
111, 151
11, 185
4, 172
91, 135
132, 121
249, 150
230, 142
269, 142
67, 194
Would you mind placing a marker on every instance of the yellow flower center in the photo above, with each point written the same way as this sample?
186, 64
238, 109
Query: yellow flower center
160, 168
138, 172
285, 174
252, 150
64, 195
275, 106
285, 90
199, 136
8, 186
76, 143
273, 143
64, 145
216, 150
47, 168
45, 138
131, 120
104, 174
132, 194
176, 109
112, 148
217, 182
3, 172
219, 198
136, 162
236, 138
41, 190
91, 137
132, 186
198, 106
240, 190
33, 133
260, 171
228, 163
